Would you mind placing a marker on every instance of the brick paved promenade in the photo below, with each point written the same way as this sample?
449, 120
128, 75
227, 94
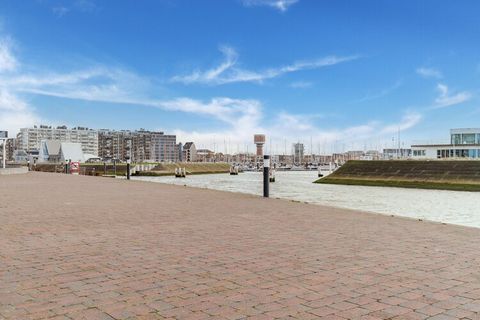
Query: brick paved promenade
96, 248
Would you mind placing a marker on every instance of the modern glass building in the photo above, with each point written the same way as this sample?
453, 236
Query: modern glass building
464, 143
465, 136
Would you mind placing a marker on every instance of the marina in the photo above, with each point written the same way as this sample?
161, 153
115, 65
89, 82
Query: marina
451, 207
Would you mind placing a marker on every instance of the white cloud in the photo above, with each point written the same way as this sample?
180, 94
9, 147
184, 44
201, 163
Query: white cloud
381, 94
239, 113
228, 72
429, 73
408, 121
60, 11
301, 85
7, 60
287, 128
281, 5
446, 100
85, 5
102, 84
14, 112
93, 84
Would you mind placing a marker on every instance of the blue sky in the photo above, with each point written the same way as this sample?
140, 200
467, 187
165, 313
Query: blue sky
342, 74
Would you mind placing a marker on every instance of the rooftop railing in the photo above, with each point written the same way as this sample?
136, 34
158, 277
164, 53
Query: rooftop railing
431, 142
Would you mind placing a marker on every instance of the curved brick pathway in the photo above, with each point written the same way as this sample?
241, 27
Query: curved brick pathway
95, 248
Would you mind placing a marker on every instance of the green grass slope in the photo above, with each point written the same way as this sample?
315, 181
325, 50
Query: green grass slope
442, 175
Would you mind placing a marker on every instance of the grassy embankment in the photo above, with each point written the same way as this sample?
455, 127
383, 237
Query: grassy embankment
191, 168
438, 175
97, 169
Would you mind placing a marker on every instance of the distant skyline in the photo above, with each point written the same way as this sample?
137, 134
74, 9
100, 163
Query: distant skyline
342, 74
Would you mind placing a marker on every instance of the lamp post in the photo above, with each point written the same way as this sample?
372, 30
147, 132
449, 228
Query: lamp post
266, 178
4, 153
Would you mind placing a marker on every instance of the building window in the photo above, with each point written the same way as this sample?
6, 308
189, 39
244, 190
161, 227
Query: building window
419, 153
456, 139
468, 138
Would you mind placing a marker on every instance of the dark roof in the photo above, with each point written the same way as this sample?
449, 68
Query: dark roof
188, 145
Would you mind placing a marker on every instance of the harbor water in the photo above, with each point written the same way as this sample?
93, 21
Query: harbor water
462, 208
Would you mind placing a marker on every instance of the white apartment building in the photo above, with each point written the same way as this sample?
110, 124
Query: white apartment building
30, 139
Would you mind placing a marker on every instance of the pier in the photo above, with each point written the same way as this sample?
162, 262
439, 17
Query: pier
82, 247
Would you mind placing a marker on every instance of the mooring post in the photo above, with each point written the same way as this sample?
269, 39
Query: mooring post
4, 154
266, 177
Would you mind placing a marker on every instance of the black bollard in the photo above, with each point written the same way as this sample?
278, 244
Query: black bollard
128, 170
266, 178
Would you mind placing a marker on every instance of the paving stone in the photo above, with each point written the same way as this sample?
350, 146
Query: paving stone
74, 247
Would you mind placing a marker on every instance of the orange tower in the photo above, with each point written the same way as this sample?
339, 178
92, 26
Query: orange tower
259, 140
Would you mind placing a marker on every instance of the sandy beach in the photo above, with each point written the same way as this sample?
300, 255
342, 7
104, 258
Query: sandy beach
79, 247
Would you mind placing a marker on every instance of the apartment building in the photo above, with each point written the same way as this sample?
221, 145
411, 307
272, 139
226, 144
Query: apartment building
118, 145
138, 146
29, 139
165, 148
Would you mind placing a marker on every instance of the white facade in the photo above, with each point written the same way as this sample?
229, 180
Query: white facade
189, 152
390, 154
71, 152
464, 144
29, 139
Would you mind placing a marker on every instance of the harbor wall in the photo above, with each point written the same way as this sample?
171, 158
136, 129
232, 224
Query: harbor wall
461, 175
97, 169
191, 168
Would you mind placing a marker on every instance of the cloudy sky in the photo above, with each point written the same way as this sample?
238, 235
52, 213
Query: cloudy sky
340, 74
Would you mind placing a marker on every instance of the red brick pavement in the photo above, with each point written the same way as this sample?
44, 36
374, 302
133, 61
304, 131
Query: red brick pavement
91, 248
